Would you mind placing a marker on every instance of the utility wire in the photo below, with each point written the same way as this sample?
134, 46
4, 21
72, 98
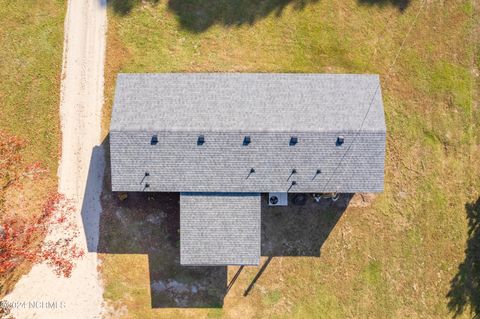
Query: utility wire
402, 45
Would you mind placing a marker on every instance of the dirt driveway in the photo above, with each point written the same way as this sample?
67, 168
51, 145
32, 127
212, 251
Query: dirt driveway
79, 296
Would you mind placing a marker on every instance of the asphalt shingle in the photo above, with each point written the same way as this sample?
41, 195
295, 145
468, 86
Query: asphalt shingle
158, 120
219, 229
237, 102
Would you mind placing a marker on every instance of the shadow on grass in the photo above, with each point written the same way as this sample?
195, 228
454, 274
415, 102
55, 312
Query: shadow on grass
465, 286
199, 15
299, 230
123, 7
400, 4
148, 223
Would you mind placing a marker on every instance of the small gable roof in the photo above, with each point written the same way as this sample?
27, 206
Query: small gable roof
219, 229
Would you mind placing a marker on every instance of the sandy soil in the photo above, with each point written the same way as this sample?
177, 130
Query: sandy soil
79, 296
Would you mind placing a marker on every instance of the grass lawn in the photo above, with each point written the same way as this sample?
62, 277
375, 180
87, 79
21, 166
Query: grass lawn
31, 42
408, 252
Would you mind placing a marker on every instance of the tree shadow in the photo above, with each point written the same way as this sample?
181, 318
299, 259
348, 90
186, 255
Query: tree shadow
199, 15
465, 286
123, 7
400, 4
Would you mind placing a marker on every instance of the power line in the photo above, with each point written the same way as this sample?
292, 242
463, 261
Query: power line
402, 45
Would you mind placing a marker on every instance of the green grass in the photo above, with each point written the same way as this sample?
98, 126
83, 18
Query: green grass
31, 42
31, 38
453, 81
321, 305
395, 258
272, 298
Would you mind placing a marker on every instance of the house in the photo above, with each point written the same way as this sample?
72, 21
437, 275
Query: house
221, 140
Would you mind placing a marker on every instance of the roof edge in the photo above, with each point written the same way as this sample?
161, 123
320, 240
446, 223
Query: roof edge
174, 130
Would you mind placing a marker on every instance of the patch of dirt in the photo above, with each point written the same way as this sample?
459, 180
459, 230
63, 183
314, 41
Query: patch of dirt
362, 200
117, 311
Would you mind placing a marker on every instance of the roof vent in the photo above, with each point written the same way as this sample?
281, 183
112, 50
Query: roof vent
154, 140
318, 172
246, 140
294, 171
293, 140
252, 170
201, 140
340, 140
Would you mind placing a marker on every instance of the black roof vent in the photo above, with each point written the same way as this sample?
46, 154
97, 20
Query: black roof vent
201, 140
252, 170
154, 140
318, 172
293, 140
294, 171
246, 140
340, 140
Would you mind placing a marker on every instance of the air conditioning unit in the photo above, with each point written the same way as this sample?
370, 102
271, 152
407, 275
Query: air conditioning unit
278, 199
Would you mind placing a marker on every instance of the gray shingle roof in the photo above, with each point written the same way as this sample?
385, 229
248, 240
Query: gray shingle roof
270, 109
219, 229
223, 164
233, 102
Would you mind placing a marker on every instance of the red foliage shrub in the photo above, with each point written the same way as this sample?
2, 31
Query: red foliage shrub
21, 237
17, 242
